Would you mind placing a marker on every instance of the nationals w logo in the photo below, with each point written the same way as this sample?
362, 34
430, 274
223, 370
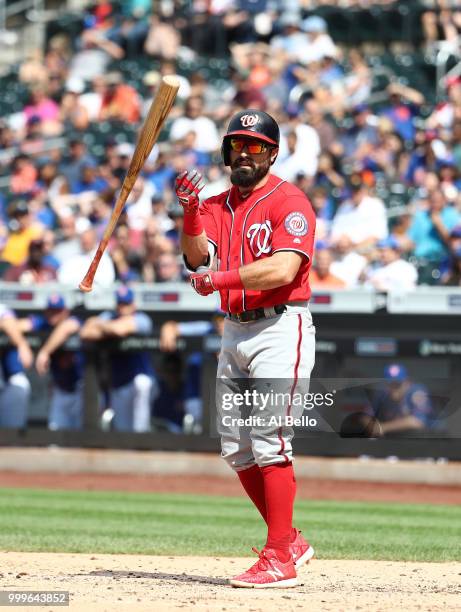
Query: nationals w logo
259, 235
249, 120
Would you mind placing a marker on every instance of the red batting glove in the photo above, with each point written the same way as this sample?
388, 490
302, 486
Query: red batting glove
187, 186
205, 283
202, 282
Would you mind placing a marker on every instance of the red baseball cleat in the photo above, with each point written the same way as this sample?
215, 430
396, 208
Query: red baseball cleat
267, 572
301, 551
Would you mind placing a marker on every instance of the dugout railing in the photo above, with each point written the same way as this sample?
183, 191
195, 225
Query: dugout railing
358, 333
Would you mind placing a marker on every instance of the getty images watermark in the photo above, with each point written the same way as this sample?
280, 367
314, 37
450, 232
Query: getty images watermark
272, 408
382, 407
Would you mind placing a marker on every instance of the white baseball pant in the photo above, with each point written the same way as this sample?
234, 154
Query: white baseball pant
275, 354
14, 401
131, 404
66, 409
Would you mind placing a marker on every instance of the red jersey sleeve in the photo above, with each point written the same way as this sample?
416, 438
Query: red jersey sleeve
209, 221
293, 226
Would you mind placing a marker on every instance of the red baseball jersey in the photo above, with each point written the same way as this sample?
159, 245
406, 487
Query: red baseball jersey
276, 217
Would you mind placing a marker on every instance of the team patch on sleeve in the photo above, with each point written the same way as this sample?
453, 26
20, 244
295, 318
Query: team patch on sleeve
296, 224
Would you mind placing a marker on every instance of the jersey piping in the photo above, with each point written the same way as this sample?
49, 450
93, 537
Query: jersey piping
242, 258
229, 251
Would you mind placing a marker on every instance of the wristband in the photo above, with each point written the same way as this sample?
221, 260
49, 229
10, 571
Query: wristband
227, 280
192, 225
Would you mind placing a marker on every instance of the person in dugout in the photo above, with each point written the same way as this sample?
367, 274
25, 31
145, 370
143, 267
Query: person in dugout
402, 406
132, 373
65, 366
14, 385
190, 370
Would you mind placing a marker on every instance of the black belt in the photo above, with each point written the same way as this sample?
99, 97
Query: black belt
258, 313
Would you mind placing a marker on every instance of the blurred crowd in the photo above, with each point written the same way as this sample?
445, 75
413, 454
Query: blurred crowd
337, 146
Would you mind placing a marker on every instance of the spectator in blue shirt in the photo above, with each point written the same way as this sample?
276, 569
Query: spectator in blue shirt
162, 177
330, 71
404, 103
425, 157
89, 180
430, 229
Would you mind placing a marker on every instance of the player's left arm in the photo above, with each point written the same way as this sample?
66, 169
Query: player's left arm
272, 272
293, 228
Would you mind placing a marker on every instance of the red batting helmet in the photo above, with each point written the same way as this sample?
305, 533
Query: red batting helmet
252, 123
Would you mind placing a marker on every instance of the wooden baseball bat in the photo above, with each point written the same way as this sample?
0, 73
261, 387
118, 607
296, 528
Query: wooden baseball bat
158, 112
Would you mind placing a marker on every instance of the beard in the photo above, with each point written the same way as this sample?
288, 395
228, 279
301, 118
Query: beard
247, 176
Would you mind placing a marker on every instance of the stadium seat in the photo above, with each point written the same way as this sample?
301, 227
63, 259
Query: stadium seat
368, 24
341, 26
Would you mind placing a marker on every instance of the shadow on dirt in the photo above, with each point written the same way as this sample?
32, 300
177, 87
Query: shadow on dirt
158, 576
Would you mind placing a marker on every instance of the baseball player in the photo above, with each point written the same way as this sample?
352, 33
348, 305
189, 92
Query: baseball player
131, 371
255, 241
402, 406
65, 366
14, 385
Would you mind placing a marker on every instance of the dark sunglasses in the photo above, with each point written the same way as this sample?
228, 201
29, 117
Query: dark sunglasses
253, 147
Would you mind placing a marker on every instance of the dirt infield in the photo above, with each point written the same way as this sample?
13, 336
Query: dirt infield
145, 583
341, 490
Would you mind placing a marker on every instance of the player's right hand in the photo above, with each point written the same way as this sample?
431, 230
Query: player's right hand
187, 186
